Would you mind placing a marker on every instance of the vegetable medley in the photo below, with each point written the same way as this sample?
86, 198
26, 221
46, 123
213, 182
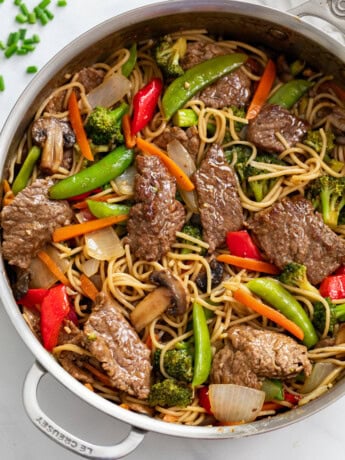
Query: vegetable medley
174, 229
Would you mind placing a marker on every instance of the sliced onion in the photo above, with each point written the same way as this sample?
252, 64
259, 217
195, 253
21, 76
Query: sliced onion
104, 244
318, 374
40, 275
125, 181
90, 267
235, 403
177, 152
110, 91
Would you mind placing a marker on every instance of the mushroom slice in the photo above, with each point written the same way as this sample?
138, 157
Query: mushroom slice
178, 292
152, 306
52, 135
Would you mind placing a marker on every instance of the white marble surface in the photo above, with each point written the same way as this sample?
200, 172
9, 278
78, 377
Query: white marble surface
320, 436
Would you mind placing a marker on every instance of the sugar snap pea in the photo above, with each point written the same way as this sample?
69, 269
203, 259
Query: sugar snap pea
288, 94
202, 346
101, 209
25, 171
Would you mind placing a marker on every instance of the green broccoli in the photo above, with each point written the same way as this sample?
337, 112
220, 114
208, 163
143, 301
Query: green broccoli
295, 274
314, 140
168, 53
169, 393
337, 312
256, 189
327, 193
195, 232
103, 125
238, 112
178, 363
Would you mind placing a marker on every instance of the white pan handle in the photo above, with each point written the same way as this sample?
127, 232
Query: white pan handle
332, 11
63, 437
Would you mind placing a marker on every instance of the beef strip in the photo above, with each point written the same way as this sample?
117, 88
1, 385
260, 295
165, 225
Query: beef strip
232, 89
114, 342
157, 216
70, 361
219, 202
189, 138
29, 221
272, 119
290, 231
88, 77
254, 354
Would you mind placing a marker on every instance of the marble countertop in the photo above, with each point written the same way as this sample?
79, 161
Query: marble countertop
319, 436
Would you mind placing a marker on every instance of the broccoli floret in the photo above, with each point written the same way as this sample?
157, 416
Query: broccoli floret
195, 232
254, 189
178, 363
169, 393
295, 274
314, 140
238, 112
103, 126
337, 315
168, 54
327, 193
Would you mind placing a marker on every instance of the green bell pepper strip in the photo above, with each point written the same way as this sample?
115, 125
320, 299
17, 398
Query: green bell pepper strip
202, 346
96, 175
101, 209
272, 292
196, 78
128, 66
288, 94
25, 171
273, 389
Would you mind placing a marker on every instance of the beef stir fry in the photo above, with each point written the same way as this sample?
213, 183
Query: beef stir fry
173, 226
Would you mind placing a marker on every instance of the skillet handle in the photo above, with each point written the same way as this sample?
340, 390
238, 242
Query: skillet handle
332, 11
63, 437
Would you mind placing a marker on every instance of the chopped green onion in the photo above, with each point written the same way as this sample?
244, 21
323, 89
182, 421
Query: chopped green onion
41, 15
17, 2
12, 38
24, 9
2, 46
43, 4
49, 14
31, 69
36, 38
22, 33
10, 50
21, 18
22, 51
2, 1
32, 18
28, 47
62, 3
2, 81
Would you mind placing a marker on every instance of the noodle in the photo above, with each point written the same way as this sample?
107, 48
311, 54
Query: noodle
127, 279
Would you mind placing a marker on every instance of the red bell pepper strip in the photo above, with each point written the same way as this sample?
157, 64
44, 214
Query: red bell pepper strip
291, 398
83, 196
241, 244
54, 309
333, 287
204, 399
33, 297
144, 104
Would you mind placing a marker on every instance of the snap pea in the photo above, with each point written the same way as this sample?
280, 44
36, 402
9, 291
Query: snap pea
197, 78
272, 292
101, 209
25, 171
202, 346
96, 175
288, 94
128, 66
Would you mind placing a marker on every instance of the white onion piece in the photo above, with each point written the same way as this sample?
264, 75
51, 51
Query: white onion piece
125, 181
40, 275
90, 267
104, 244
318, 374
110, 91
235, 403
179, 154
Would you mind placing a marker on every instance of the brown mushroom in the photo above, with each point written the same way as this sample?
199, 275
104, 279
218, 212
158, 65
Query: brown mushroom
53, 136
337, 119
170, 296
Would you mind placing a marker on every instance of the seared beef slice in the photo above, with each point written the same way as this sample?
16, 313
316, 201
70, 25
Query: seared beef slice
219, 202
290, 231
29, 221
114, 342
157, 216
255, 354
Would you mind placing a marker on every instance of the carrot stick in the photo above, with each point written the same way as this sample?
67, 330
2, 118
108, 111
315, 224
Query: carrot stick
88, 288
8, 194
53, 267
244, 297
78, 127
262, 91
74, 230
250, 264
181, 177
98, 374
130, 140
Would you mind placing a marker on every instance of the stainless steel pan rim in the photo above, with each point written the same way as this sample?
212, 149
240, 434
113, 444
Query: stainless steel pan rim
15, 123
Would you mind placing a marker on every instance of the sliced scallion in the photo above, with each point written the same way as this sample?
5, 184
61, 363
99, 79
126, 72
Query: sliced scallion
2, 83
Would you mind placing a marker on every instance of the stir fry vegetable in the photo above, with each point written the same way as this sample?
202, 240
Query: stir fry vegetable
203, 354
288, 94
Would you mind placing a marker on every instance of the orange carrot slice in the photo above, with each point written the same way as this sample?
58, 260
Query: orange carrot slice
250, 264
